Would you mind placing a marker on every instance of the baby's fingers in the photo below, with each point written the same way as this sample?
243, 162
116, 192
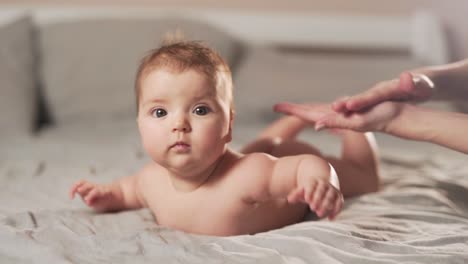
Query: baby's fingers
84, 189
309, 192
296, 195
327, 203
91, 197
75, 187
337, 207
317, 196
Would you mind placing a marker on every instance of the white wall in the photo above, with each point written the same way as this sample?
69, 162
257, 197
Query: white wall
452, 12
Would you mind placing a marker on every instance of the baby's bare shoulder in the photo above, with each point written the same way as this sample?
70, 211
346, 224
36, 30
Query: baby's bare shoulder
252, 162
257, 158
150, 174
247, 175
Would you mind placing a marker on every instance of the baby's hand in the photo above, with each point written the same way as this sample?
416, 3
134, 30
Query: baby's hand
322, 197
96, 196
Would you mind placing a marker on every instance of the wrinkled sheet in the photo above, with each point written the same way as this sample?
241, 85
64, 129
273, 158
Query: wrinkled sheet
420, 215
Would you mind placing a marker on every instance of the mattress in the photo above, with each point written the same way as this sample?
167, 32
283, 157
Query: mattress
419, 215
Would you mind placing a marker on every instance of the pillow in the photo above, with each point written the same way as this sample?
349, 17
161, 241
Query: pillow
89, 65
268, 75
17, 78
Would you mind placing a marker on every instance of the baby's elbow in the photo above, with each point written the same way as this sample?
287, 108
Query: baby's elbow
318, 165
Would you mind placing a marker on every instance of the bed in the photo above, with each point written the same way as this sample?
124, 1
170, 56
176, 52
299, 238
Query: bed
419, 215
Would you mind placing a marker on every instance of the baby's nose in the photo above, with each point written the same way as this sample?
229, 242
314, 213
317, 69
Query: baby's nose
181, 125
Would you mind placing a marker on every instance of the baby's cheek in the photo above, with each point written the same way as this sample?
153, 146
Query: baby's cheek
153, 142
212, 144
214, 134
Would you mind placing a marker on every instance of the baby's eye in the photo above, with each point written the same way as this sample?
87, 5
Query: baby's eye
159, 112
201, 110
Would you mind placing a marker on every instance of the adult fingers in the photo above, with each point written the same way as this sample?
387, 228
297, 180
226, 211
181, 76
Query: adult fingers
336, 120
383, 91
407, 83
418, 86
339, 105
408, 87
309, 113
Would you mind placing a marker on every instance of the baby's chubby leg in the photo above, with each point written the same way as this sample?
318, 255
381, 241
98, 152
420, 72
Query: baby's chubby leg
278, 139
357, 168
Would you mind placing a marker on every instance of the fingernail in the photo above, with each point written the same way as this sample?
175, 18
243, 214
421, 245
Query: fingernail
319, 126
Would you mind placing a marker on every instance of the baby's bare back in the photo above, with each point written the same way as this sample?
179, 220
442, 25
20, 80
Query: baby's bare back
218, 207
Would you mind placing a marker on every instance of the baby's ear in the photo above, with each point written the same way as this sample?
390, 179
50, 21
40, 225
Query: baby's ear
232, 114
231, 122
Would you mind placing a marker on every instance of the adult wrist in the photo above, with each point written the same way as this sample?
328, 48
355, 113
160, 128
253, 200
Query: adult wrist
398, 125
424, 84
424, 79
411, 123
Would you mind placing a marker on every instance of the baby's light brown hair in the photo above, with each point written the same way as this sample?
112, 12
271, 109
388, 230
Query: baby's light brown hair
180, 56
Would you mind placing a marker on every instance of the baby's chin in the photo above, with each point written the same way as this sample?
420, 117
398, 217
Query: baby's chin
186, 165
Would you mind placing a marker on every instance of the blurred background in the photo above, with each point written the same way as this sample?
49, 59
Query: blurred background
67, 112
67, 69
452, 12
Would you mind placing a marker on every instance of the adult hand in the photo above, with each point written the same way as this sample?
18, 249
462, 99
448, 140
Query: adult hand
377, 118
409, 87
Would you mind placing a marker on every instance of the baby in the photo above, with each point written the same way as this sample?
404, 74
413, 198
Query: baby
195, 183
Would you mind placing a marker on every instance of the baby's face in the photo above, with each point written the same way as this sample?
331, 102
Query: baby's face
183, 122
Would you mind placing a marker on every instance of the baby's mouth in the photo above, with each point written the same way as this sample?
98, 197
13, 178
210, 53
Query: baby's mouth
180, 146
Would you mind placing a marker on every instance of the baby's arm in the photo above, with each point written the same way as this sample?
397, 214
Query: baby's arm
119, 195
302, 178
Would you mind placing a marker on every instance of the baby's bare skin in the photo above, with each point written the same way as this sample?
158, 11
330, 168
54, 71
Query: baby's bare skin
222, 205
196, 184
246, 194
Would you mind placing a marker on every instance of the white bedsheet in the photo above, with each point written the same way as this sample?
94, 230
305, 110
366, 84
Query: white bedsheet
420, 215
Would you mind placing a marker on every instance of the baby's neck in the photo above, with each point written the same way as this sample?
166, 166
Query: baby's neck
184, 183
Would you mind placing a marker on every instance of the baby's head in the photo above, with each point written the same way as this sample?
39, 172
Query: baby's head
181, 56
184, 99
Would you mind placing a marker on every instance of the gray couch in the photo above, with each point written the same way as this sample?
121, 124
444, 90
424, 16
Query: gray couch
78, 66
84, 70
